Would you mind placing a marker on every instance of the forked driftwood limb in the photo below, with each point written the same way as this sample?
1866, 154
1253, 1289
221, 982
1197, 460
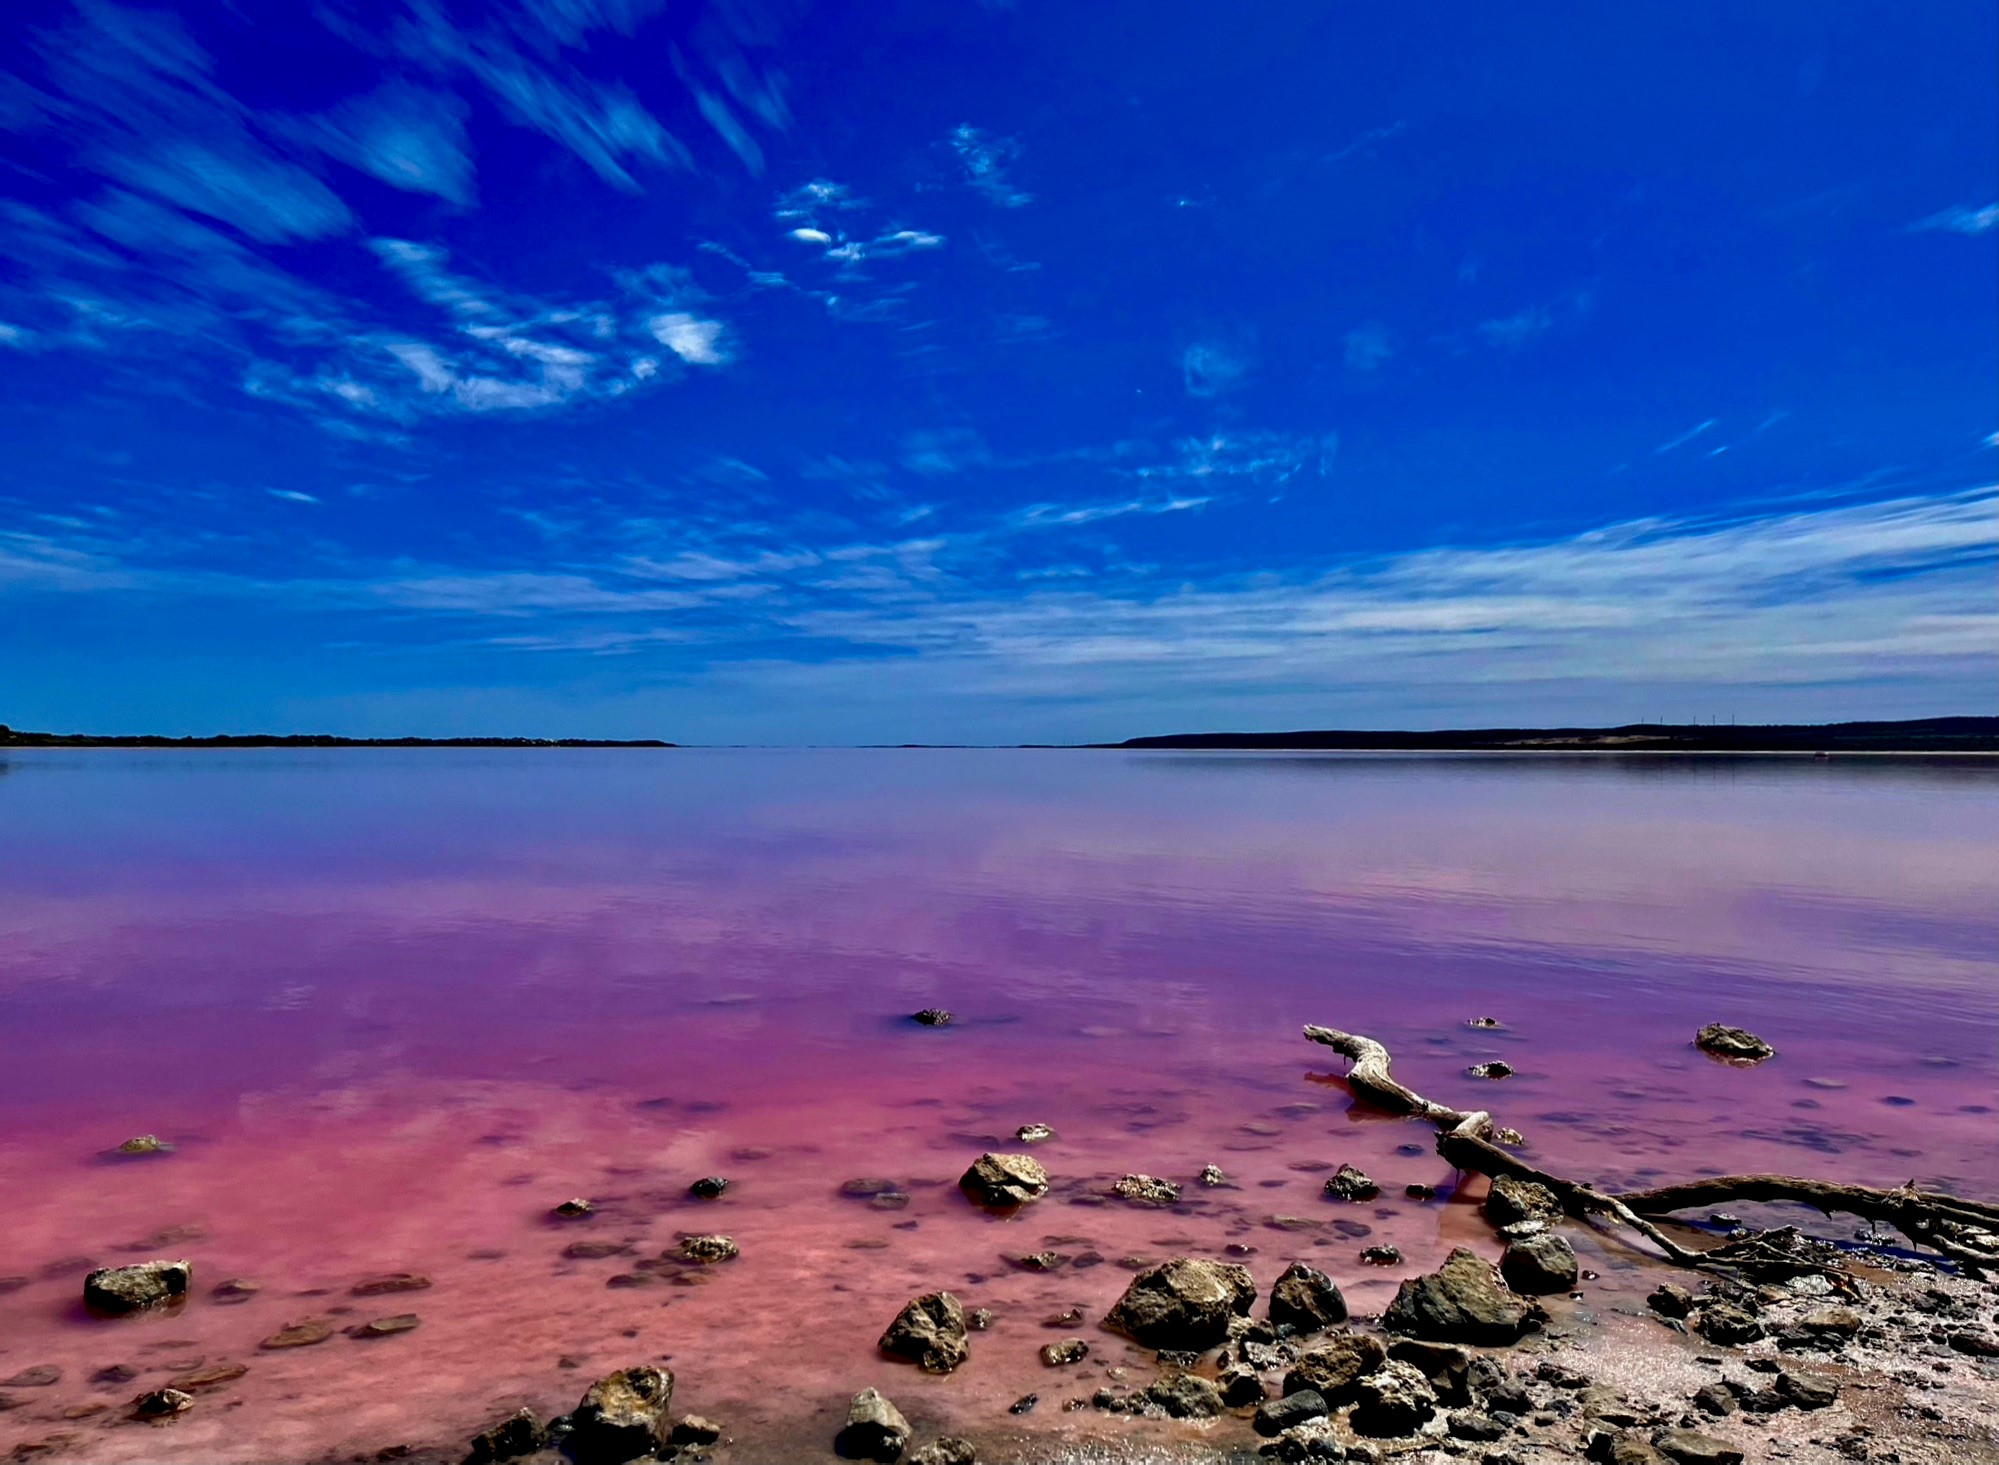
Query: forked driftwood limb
1965, 1231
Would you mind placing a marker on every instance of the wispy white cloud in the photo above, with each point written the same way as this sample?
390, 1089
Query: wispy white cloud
1518, 330
1368, 348
987, 161
1210, 368
1688, 436
1961, 219
409, 137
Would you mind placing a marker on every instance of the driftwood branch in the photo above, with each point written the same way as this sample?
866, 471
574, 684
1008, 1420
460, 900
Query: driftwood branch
1960, 1229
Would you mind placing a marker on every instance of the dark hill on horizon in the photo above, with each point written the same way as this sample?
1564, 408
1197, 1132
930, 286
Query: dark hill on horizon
1911, 735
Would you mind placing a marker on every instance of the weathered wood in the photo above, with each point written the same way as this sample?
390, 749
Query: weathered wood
1960, 1229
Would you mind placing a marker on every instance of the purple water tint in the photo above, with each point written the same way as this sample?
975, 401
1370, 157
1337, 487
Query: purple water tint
391, 1006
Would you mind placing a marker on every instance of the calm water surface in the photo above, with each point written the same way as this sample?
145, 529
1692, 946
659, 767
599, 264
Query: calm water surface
392, 1006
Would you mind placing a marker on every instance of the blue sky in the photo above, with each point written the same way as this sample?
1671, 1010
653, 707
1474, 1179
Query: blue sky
761, 371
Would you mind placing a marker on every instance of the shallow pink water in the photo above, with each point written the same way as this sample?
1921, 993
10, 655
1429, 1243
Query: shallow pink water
392, 1006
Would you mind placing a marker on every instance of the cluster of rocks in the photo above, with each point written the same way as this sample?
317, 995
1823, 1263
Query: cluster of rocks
623, 1416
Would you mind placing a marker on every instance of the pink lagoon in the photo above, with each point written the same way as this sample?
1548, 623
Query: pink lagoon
390, 1008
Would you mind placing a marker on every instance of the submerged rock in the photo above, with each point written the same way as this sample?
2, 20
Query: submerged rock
930, 1332
573, 1209
931, 1017
875, 1429
706, 1251
622, 1417
1034, 1134
1539, 1264
387, 1282
386, 1327
708, 1187
305, 1333
1146, 1190
130, 1289
1463, 1301
867, 1187
1332, 1367
1351, 1183
140, 1145
520, 1433
1184, 1303
232, 1290
1496, 1068
1306, 1300
1003, 1181
1735, 1044
1211, 1175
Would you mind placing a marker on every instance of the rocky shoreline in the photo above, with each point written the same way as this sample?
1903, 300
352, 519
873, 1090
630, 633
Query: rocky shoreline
1767, 1346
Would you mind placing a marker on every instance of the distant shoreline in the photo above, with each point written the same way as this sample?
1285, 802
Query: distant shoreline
1904, 738
1926, 735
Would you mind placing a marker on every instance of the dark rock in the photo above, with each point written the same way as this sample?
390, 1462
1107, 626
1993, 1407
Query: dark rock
1715, 1399
1463, 1301
930, 1332
1146, 1190
141, 1145
622, 1416
1470, 1424
1601, 1402
1241, 1386
572, 1209
1511, 1200
1734, 1044
1351, 1184
1382, 1256
1037, 1261
706, 1251
1185, 1396
1560, 1375
875, 1429
1306, 1300
1669, 1299
306, 1333
1069, 1350
1024, 1404
1004, 1181
1034, 1134
162, 1404
1394, 1400
946, 1450
1619, 1447
981, 1318
693, 1429
1416, 1190
1539, 1264
1974, 1345
120, 1290
1445, 1365
1183, 1303
1806, 1391
1690, 1447
1728, 1324
1482, 1022
708, 1187
1497, 1068
115, 1373
1212, 1176
520, 1433
931, 1017
1333, 1366
1279, 1415
388, 1282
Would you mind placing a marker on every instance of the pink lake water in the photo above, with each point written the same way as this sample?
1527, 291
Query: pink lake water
391, 1006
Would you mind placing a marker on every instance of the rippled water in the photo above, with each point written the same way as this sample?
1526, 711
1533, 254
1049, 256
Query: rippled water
392, 1006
